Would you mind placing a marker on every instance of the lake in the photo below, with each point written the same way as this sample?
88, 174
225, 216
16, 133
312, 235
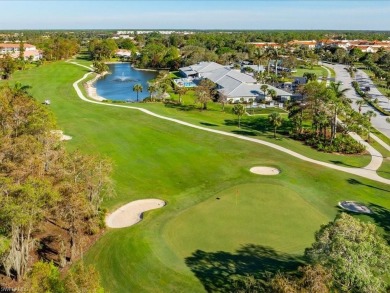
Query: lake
118, 85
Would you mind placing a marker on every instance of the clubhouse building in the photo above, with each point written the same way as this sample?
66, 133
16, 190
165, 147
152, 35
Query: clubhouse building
234, 84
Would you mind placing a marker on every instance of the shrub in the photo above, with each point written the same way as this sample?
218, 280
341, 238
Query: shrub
341, 144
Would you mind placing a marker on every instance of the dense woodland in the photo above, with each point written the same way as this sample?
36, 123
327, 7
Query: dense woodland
45, 190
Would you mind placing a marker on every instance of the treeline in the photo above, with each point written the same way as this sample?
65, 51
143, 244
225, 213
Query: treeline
58, 48
42, 184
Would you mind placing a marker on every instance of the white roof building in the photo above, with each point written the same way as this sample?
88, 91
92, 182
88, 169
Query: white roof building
232, 83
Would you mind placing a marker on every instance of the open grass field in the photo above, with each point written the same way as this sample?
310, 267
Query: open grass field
318, 70
196, 241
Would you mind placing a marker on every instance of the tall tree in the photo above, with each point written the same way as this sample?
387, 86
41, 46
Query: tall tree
222, 98
152, 89
360, 103
205, 91
7, 66
239, 110
276, 120
338, 102
22, 206
137, 88
355, 252
369, 115
264, 88
180, 91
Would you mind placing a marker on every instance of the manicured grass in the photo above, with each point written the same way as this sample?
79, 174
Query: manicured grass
265, 111
189, 168
256, 126
233, 214
318, 70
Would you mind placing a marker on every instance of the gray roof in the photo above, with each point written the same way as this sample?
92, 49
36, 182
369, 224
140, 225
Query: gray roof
202, 67
233, 83
228, 84
217, 74
250, 90
207, 66
241, 76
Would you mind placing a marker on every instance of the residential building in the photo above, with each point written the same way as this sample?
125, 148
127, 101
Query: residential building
309, 44
364, 45
265, 45
13, 49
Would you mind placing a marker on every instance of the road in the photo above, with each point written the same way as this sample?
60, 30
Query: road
379, 122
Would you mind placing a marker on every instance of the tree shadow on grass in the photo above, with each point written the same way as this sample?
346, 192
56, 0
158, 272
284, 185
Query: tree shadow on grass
261, 124
207, 124
180, 106
357, 182
381, 216
84, 56
219, 271
340, 163
244, 132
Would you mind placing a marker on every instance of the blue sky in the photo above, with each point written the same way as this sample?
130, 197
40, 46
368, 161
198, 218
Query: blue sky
287, 14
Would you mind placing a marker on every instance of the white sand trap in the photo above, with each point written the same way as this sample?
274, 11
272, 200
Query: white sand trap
354, 206
265, 170
131, 213
61, 135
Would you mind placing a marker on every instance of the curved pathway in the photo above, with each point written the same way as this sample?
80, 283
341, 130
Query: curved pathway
362, 172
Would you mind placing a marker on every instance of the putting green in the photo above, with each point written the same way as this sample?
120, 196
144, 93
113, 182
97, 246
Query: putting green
246, 214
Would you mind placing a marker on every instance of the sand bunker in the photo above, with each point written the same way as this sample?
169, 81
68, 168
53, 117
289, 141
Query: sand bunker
61, 135
131, 213
265, 171
354, 206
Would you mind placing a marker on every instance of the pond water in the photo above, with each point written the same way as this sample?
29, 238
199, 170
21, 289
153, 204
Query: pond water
118, 85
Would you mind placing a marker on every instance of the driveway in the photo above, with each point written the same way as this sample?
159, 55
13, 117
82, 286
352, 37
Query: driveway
379, 122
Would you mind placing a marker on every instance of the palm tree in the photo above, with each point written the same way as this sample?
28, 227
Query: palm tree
258, 56
264, 88
360, 103
369, 114
152, 88
250, 102
337, 101
271, 53
20, 89
272, 93
239, 110
137, 88
276, 120
295, 115
180, 91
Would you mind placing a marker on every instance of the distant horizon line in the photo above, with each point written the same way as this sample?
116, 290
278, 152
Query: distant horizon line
188, 29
